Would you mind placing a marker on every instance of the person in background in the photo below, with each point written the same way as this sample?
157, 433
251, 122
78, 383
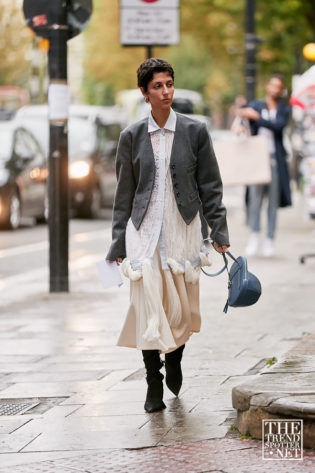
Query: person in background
269, 117
233, 115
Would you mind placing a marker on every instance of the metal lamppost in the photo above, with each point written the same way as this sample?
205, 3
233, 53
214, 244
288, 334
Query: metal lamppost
149, 50
250, 50
58, 21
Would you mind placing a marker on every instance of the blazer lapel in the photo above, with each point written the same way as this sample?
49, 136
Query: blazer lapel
146, 146
179, 138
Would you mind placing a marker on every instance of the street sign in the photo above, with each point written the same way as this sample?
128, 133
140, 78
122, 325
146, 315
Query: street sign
41, 17
149, 22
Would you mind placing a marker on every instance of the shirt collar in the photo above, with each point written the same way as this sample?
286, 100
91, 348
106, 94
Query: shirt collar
169, 125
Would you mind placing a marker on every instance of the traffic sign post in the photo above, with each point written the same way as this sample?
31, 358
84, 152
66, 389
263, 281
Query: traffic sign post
149, 23
250, 50
58, 21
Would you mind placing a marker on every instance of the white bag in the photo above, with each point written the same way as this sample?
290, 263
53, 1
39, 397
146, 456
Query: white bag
243, 160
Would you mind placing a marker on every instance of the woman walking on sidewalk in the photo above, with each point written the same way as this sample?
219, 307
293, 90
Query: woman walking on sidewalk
167, 172
269, 117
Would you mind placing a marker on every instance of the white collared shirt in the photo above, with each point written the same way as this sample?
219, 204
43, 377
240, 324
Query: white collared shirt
269, 134
169, 125
141, 244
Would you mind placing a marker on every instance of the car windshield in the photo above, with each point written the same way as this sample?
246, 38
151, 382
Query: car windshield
5, 144
81, 138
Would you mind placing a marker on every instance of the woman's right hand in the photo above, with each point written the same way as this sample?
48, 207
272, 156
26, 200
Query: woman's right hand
118, 261
249, 113
240, 130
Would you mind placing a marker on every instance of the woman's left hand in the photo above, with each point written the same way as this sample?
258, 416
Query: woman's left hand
219, 248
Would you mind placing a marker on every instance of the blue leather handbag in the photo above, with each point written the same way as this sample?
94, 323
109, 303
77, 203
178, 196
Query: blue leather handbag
244, 288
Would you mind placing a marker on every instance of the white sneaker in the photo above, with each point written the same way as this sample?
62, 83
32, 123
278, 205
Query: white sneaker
253, 244
269, 249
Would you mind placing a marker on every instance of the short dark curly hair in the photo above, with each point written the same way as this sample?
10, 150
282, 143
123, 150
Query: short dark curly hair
279, 76
147, 69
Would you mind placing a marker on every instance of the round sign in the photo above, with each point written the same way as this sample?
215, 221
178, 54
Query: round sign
43, 14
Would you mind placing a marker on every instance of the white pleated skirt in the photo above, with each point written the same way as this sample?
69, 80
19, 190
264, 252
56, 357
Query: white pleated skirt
175, 305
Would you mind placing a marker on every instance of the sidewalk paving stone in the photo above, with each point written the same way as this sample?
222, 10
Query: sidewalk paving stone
223, 456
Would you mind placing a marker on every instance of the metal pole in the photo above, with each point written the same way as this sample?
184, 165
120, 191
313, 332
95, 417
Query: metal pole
250, 50
58, 156
34, 82
149, 51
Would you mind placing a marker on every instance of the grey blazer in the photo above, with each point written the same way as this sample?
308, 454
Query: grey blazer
195, 175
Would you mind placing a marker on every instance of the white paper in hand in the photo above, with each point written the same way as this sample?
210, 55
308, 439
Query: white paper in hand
109, 274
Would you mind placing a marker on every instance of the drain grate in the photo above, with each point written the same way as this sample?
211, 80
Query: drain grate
10, 407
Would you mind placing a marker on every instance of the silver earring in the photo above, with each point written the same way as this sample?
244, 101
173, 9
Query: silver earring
147, 100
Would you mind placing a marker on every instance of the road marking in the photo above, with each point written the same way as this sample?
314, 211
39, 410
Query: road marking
43, 245
19, 250
36, 281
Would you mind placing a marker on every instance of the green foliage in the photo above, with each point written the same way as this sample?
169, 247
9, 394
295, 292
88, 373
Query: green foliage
190, 63
15, 39
306, 334
271, 361
210, 56
98, 93
285, 28
106, 61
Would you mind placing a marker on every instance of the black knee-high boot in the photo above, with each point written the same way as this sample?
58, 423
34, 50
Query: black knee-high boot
174, 376
153, 364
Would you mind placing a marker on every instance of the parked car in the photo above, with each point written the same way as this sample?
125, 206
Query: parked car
93, 134
23, 176
92, 151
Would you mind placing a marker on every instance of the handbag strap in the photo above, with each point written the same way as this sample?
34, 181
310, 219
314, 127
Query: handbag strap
225, 267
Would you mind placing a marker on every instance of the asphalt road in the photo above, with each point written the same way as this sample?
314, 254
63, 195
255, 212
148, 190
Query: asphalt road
24, 253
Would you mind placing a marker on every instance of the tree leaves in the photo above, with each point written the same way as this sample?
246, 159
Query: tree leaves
15, 39
210, 57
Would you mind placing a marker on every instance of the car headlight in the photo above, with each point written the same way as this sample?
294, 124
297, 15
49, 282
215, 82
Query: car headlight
79, 169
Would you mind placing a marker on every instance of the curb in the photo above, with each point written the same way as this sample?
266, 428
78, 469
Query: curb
284, 391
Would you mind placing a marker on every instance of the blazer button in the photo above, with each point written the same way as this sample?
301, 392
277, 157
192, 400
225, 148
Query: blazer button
176, 185
172, 166
174, 175
178, 194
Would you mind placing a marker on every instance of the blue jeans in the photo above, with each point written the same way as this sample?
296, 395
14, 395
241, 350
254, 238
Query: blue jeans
256, 196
